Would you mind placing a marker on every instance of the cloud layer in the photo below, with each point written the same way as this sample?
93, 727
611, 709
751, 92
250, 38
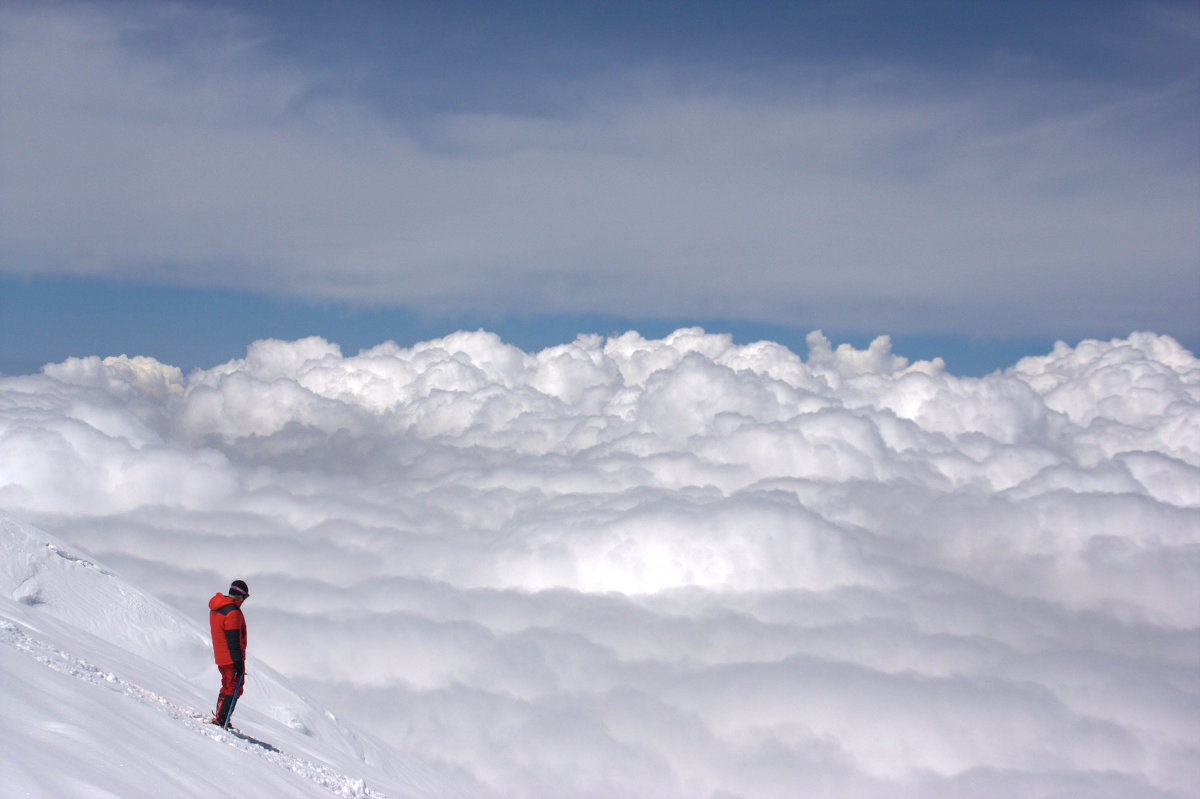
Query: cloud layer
676, 567
180, 145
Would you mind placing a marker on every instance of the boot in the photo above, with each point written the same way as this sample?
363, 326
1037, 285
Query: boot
221, 716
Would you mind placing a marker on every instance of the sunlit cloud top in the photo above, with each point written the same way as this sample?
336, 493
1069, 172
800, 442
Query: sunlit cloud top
667, 456
673, 567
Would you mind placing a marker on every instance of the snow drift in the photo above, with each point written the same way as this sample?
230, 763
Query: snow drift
106, 693
677, 567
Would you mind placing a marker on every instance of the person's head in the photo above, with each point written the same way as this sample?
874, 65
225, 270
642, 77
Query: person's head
238, 590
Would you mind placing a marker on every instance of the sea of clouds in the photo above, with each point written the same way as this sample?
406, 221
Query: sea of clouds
673, 568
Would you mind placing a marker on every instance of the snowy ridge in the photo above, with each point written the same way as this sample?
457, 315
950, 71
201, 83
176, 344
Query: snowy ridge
92, 708
66, 663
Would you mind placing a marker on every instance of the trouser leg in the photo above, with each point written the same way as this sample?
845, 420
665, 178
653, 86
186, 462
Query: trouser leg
225, 699
221, 716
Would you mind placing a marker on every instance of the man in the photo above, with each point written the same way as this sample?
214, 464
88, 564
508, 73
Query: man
229, 646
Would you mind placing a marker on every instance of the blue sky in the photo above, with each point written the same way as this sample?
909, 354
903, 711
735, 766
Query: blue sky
975, 180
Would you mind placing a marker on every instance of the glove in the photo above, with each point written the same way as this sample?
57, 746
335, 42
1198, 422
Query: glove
239, 669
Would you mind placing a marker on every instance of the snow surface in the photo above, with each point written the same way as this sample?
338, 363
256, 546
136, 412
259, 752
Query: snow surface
670, 569
107, 692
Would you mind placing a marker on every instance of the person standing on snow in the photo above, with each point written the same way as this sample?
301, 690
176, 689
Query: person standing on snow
229, 646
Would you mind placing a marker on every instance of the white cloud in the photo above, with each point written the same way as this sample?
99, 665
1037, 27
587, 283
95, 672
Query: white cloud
676, 567
896, 200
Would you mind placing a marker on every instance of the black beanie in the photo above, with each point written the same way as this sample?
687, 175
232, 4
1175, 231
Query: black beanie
238, 588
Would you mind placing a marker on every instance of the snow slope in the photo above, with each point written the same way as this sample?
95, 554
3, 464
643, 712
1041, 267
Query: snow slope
106, 692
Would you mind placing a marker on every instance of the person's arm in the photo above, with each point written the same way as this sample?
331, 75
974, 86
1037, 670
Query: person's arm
235, 624
233, 639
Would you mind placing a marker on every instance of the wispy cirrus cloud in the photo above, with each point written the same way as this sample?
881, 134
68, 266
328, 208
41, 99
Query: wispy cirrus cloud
898, 198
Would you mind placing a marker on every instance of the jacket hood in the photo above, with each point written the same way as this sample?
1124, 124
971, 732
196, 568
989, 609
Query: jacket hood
219, 600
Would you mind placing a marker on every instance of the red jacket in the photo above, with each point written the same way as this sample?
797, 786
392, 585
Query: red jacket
228, 630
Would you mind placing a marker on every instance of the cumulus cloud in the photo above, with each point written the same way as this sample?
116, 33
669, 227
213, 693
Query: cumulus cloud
676, 567
890, 198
